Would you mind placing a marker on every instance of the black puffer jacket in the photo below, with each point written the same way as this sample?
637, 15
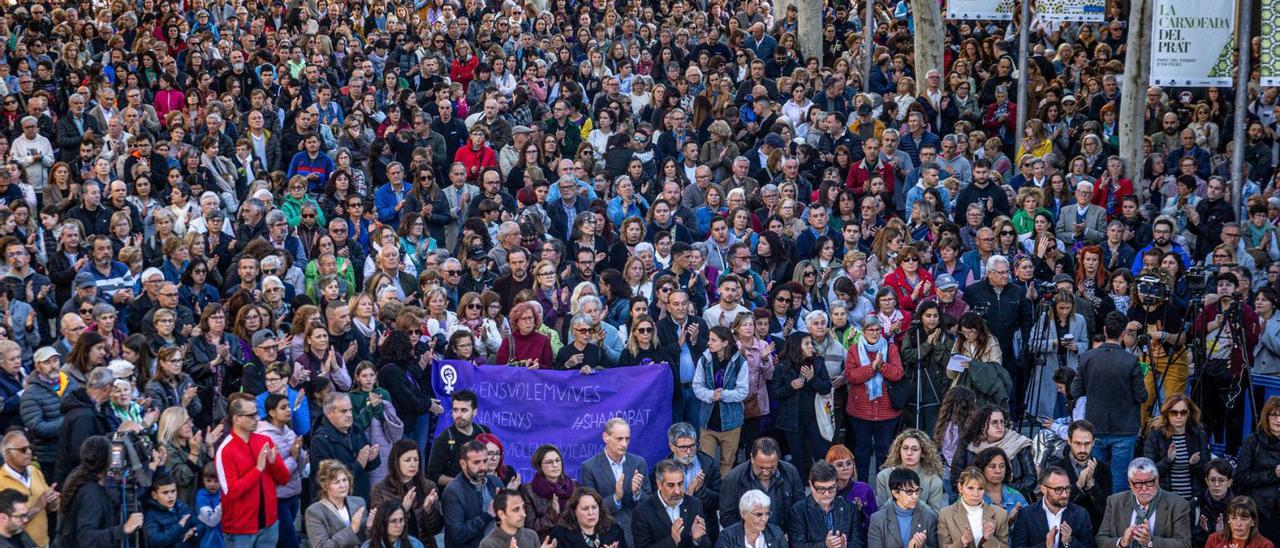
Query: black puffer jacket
1256, 477
81, 418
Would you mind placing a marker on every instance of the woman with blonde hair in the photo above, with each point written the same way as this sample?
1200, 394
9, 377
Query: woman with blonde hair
553, 298
912, 449
337, 519
719, 151
884, 252
1029, 201
957, 525
1035, 141
186, 450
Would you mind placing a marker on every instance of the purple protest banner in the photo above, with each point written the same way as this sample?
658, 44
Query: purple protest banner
526, 408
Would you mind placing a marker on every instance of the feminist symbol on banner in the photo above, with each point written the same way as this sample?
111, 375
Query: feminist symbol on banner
450, 377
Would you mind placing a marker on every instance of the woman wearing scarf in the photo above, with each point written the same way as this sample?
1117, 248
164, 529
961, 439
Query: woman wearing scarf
990, 427
375, 415
548, 494
872, 363
483, 330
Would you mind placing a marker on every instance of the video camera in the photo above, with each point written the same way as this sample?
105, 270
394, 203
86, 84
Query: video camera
1152, 288
127, 468
1197, 280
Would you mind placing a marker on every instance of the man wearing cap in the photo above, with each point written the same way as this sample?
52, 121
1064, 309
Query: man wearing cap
946, 292
265, 352
477, 277
759, 157
509, 156
83, 416
85, 294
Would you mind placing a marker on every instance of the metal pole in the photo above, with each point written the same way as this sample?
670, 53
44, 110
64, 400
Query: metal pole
1243, 24
868, 47
1024, 40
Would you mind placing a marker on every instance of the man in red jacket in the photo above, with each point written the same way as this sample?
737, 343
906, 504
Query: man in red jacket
249, 470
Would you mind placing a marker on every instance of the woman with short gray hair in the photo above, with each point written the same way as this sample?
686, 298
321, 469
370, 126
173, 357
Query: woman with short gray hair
754, 508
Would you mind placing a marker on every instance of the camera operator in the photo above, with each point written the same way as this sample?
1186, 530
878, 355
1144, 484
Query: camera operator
90, 516
1224, 318
1161, 337
85, 414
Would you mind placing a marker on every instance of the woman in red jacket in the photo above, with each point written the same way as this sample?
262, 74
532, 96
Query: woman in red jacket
909, 282
463, 69
872, 364
476, 155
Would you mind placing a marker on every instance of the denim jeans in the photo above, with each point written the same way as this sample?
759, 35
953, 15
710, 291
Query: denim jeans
1117, 450
265, 538
422, 432
288, 508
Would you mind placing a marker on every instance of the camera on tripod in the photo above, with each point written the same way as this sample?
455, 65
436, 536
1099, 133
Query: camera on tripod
1197, 278
1152, 288
128, 468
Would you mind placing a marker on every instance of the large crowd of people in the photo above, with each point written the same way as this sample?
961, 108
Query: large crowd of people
237, 237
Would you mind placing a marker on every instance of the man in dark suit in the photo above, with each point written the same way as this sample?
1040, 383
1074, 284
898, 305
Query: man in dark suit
1053, 521
1089, 477
466, 516
701, 473
70, 129
617, 475
670, 519
822, 518
685, 335
562, 212
1146, 514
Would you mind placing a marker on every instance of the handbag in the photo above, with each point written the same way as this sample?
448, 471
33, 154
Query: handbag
824, 410
900, 393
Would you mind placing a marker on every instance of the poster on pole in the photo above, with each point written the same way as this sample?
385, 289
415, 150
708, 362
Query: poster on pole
992, 10
1193, 43
1270, 43
1060, 11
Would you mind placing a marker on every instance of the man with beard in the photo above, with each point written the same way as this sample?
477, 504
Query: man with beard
701, 472
1137, 229
516, 280
753, 288
730, 306
1054, 519
1090, 478
467, 515
984, 191
671, 518
1161, 239
1207, 219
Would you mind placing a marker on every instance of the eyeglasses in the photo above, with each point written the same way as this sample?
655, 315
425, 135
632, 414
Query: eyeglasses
1143, 483
1059, 490
1218, 481
824, 489
909, 491
1179, 412
645, 330
999, 422
24, 449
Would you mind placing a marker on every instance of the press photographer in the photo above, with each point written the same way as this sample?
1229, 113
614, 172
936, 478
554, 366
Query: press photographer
1160, 327
1224, 381
91, 514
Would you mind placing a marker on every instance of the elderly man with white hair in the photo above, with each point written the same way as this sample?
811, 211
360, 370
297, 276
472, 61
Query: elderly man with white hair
1082, 221
754, 529
1145, 514
33, 153
1007, 311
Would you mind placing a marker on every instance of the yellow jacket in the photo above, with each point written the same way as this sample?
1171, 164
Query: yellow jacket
38, 524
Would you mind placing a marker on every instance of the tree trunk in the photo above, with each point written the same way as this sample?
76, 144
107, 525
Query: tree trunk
809, 31
928, 39
1133, 89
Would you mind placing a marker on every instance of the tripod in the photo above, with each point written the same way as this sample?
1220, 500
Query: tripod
1038, 336
1220, 391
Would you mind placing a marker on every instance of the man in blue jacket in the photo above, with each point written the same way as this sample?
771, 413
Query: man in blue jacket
467, 502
